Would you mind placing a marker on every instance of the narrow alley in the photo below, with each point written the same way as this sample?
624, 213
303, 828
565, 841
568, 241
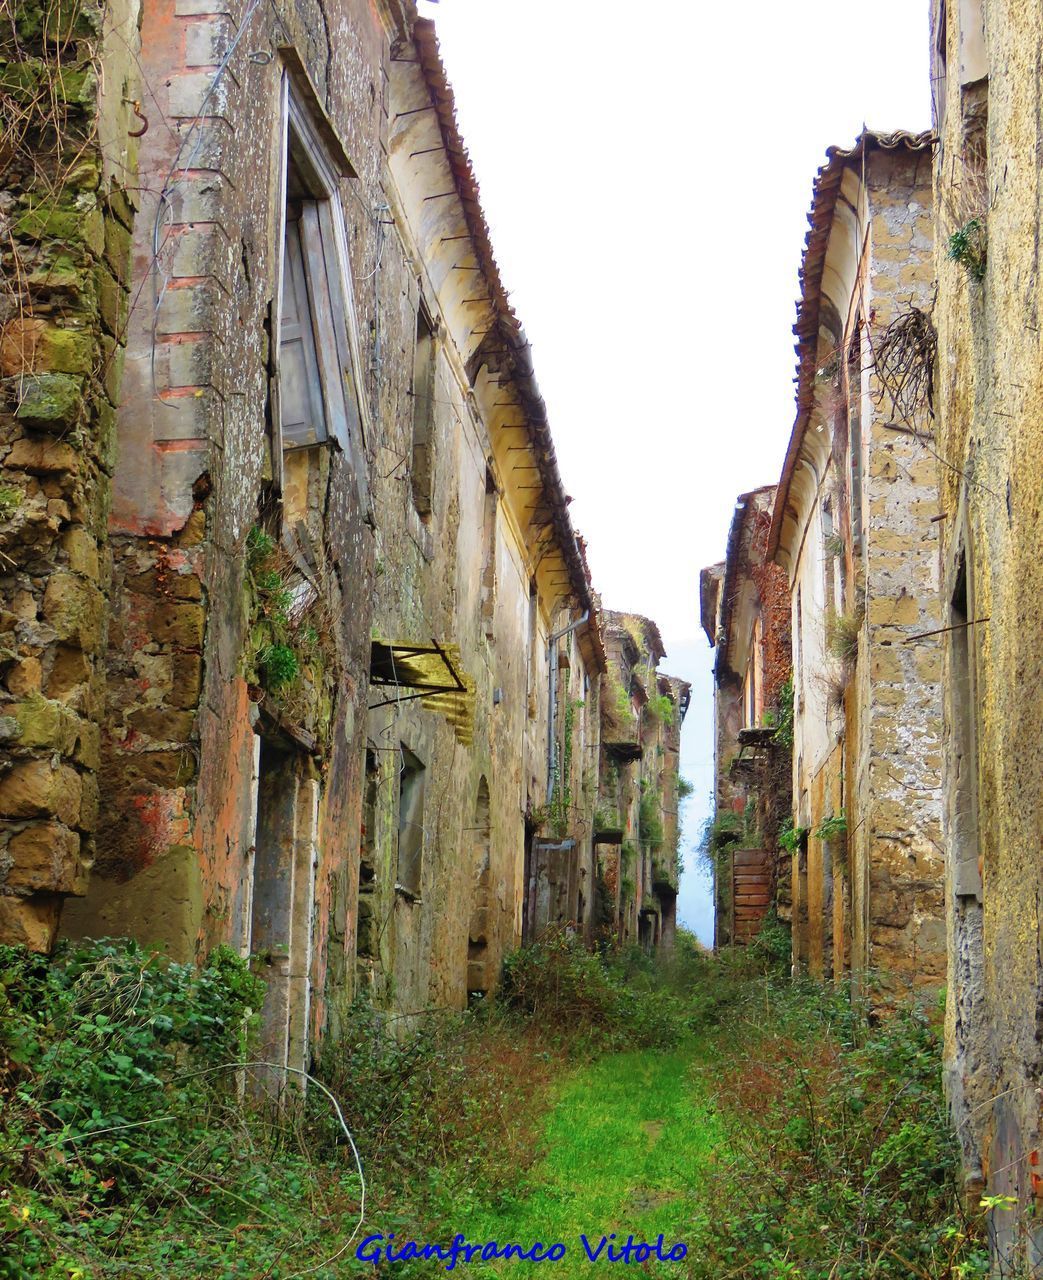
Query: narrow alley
487, 794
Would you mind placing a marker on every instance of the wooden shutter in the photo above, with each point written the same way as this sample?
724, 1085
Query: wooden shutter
301, 409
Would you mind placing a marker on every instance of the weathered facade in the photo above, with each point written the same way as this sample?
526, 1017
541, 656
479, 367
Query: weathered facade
745, 614
854, 526
636, 829
302, 652
988, 436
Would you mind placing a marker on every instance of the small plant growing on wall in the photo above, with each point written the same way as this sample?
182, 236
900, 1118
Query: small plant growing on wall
291, 648
791, 837
834, 827
661, 708
968, 246
842, 632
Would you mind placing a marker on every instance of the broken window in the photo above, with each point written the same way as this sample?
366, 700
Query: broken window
423, 410
316, 367
410, 822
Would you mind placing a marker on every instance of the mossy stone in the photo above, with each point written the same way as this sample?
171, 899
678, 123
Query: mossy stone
46, 724
50, 400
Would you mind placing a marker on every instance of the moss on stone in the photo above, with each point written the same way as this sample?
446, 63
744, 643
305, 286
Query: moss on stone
46, 724
51, 399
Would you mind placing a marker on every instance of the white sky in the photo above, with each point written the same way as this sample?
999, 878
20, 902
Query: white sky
646, 171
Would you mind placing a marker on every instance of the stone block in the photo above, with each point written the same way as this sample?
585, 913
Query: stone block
111, 299
70, 671
195, 363
188, 417
112, 368
190, 95
187, 680
894, 611
162, 724
190, 309
46, 855
41, 457
204, 250
206, 198
194, 530
88, 748
46, 725
74, 607
90, 802
19, 338
38, 789
179, 624
162, 768
82, 550
191, 8
70, 351
25, 677
169, 583
117, 249
30, 922
49, 401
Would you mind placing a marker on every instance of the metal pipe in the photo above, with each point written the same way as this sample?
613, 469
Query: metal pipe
553, 691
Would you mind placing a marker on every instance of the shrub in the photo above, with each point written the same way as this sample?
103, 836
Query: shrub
586, 1000
650, 825
857, 1167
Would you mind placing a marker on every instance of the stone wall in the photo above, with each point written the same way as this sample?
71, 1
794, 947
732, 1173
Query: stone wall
990, 393
856, 527
66, 207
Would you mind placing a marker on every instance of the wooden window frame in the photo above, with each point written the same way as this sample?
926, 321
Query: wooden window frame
308, 143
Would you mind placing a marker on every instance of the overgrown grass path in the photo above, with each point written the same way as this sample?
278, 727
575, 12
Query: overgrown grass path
625, 1143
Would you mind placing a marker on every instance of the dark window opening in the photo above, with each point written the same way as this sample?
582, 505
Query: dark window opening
410, 823
367, 940
423, 411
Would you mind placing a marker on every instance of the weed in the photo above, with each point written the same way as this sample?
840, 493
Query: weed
833, 827
661, 709
11, 499
968, 246
842, 633
846, 1124
791, 837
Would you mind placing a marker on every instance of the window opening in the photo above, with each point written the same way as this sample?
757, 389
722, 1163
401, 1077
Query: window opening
410, 822
423, 410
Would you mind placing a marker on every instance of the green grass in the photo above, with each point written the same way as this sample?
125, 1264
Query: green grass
624, 1143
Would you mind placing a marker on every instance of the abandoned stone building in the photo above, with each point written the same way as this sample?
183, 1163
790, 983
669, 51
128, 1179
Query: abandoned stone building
987, 432
854, 527
636, 831
745, 613
301, 649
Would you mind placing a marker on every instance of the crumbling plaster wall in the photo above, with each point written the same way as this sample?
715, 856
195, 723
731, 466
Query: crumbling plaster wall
195, 474
990, 435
